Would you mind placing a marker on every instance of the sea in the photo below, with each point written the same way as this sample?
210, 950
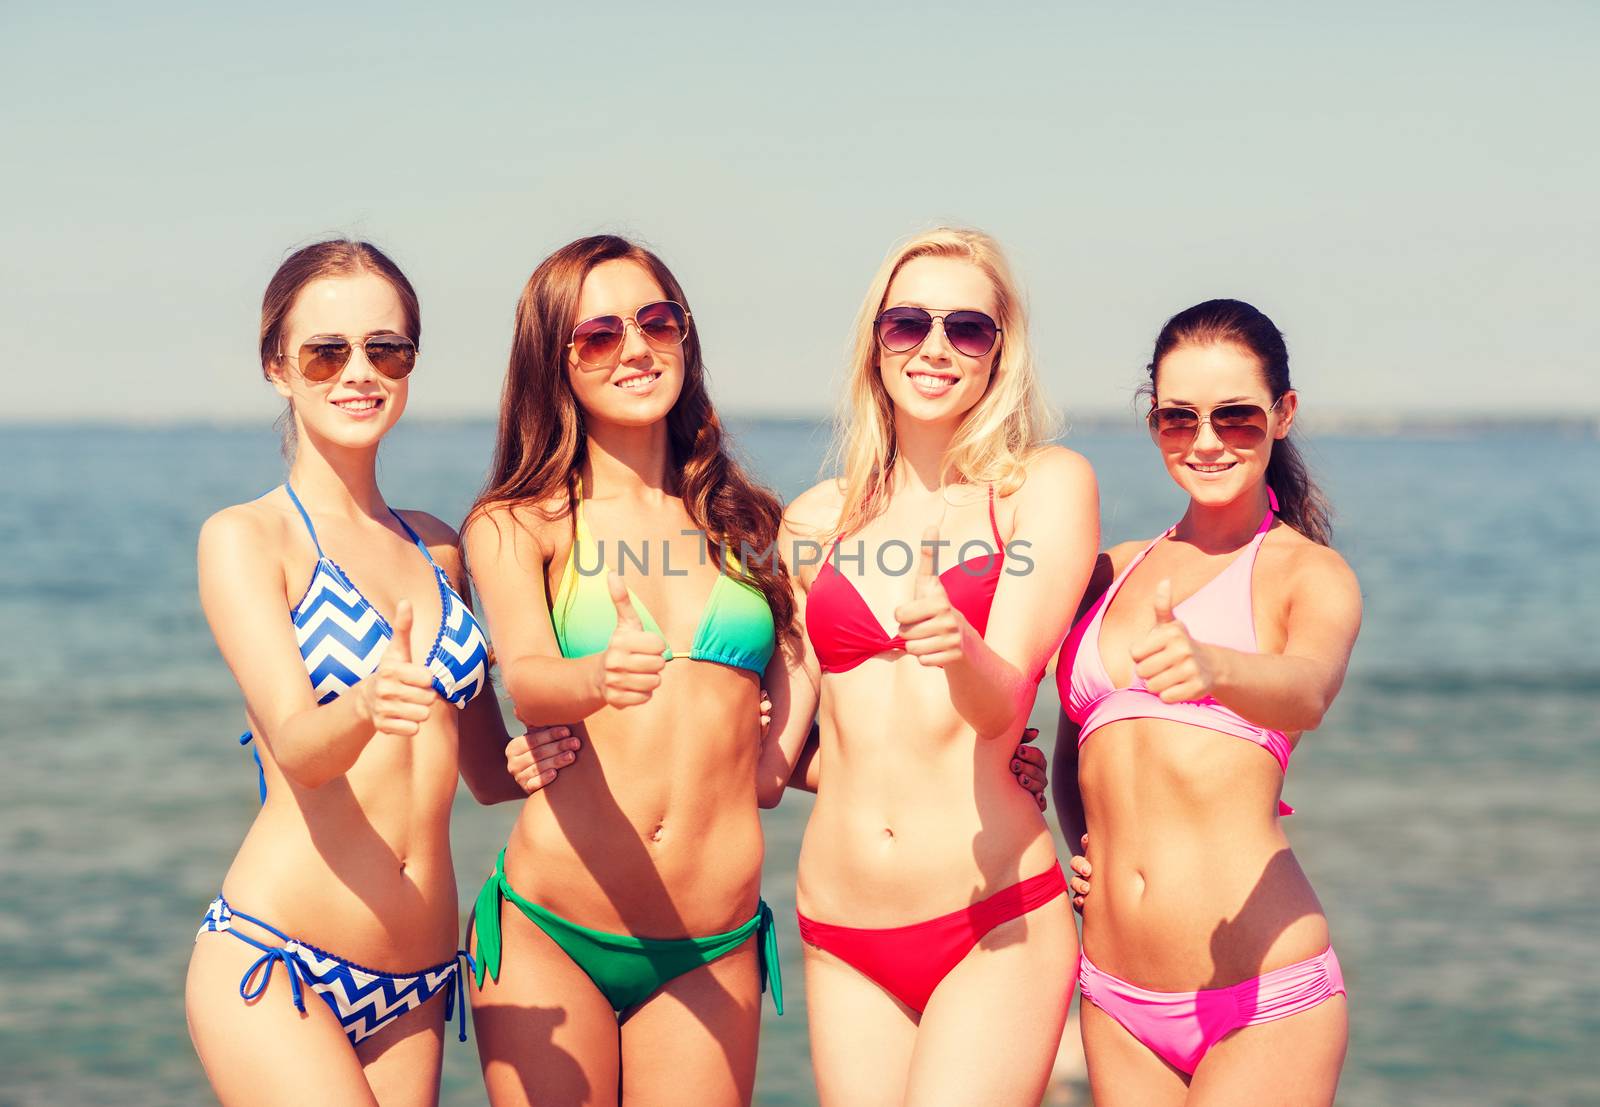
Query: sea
1448, 810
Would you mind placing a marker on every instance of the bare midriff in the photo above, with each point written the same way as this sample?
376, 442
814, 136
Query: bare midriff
917, 816
654, 830
1194, 883
361, 866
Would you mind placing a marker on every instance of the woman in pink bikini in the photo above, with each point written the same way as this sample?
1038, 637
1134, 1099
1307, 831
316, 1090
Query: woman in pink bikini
940, 950
1207, 973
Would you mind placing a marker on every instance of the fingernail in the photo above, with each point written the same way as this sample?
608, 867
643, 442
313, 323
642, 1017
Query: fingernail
1016, 766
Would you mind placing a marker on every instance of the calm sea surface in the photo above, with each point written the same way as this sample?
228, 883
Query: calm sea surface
1448, 807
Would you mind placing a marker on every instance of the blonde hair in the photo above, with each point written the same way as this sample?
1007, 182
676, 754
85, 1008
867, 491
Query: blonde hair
996, 437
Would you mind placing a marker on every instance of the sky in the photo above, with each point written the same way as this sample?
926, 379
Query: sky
1408, 189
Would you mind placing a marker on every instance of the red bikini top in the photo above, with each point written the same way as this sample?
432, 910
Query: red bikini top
844, 631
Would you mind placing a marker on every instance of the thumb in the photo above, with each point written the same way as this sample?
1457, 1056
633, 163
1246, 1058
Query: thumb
927, 567
1163, 602
400, 644
627, 617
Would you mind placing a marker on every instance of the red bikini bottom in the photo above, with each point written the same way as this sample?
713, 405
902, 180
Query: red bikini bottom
908, 962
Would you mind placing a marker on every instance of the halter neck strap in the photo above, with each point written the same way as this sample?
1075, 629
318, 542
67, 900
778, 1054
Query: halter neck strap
298, 506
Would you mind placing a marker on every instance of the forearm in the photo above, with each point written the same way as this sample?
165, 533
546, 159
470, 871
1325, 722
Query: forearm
483, 751
320, 745
987, 690
1064, 785
1273, 690
546, 690
807, 775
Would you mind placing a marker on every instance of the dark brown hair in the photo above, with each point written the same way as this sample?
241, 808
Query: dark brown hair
1301, 503
337, 257
541, 444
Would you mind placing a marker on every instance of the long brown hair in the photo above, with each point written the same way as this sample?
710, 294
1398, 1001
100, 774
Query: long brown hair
336, 257
542, 444
1301, 503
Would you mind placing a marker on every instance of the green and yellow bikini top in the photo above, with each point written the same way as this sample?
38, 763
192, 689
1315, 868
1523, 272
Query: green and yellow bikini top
735, 628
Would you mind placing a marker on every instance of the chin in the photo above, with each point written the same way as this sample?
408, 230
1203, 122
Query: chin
353, 438
1213, 493
946, 409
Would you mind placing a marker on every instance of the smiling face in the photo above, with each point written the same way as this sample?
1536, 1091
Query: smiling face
357, 406
641, 382
1205, 377
935, 383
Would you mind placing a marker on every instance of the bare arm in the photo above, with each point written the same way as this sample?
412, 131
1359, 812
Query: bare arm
507, 562
1064, 782
807, 774
794, 679
482, 729
1289, 691
993, 677
243, 595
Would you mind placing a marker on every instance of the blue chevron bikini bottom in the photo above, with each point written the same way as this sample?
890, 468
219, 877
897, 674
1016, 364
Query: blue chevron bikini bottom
363, 1000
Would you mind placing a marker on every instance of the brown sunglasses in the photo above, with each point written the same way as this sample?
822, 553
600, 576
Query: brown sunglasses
324, 356
1239, 426
664, 324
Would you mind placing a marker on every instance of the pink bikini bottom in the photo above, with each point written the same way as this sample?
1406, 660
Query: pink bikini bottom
1180, 1027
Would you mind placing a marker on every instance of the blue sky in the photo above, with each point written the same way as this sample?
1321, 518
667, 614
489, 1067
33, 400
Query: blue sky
1408, 189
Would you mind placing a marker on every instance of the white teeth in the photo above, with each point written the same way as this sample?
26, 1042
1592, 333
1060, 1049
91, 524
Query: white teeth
356, 405
1210, 468
927, 380
633, 384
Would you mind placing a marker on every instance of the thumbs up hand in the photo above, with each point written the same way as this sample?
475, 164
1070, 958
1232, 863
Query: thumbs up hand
397, 697
1172, 665
630, 667
934, 631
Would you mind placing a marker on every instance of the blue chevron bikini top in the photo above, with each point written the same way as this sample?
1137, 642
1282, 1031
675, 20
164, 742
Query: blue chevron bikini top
342, 637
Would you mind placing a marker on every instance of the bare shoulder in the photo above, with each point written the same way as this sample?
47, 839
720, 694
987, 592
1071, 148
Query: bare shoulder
1055, 469
1309, 568
1313, 564
1124, 552
1058, 484
516, 524
430, 528
444, 545
257, 525
816, 510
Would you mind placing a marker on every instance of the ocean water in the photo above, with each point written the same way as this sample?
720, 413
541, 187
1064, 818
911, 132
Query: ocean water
1448, 812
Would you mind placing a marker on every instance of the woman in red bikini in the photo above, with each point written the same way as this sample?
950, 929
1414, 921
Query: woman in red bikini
939, 946
1207, 973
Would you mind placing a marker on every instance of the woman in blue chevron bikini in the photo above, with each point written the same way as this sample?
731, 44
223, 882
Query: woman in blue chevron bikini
326, 969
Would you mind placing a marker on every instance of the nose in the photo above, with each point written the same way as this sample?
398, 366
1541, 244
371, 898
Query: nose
935, 347
1205, 438
634, 346
358, 369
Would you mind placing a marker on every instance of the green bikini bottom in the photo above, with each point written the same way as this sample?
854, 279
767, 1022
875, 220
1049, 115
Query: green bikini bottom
627, 970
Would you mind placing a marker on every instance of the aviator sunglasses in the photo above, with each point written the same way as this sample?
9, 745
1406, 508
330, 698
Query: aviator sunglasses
664, 324
323, 357
1239, 426
905, 328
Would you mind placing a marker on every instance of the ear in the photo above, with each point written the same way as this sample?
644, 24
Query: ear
1288, 404
278, 375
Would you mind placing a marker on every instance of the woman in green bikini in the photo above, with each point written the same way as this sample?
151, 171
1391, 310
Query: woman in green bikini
621, 943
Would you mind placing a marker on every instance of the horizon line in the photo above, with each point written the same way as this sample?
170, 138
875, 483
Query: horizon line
1586, 424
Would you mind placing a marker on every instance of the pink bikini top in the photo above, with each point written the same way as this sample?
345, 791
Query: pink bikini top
1221, 613
843, 630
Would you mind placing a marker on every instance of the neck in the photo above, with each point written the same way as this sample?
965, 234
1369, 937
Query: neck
337, 480
629, 459
920, 450
1221, 527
